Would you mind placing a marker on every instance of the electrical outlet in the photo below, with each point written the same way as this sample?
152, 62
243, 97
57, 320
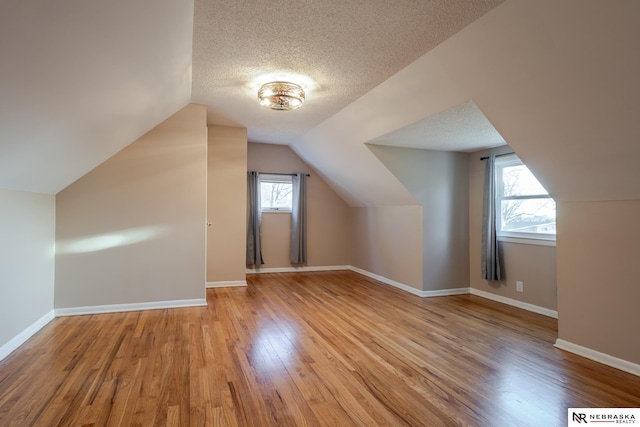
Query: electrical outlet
519, 286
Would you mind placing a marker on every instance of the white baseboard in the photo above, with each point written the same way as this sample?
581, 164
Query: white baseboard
23, 336
410, 289
603, 358
445, 292
387, 281
226, 284
293, 269
515, 303
115, 308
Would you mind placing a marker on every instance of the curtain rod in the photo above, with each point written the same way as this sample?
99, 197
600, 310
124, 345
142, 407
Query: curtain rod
497, 155
283, 174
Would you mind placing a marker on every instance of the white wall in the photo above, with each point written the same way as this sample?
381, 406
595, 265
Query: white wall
328, 216
227, 204
439, 181
27, 227
534, 265
133, 229
598, 276
558, 81
387, 241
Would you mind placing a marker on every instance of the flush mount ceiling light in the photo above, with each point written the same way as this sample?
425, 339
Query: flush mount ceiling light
281, 95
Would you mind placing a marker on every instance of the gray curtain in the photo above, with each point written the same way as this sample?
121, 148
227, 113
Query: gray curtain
299, 220
490, 261
254, 220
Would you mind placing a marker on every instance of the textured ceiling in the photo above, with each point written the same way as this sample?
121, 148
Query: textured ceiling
557, 80
81, 80
461, 128
338, 50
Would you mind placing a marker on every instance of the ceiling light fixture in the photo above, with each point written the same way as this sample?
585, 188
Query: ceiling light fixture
281, 95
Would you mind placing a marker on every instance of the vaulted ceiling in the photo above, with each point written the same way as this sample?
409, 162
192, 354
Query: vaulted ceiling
557, 80
81, 80
338, 50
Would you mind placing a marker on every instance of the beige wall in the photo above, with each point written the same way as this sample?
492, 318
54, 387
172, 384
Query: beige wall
328, 216
535, 266
598, 276
387, 241
227, 204
27, 227
133, 229
557, 79
439, 181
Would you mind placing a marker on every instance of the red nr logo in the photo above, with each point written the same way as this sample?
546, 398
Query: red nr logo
580, 418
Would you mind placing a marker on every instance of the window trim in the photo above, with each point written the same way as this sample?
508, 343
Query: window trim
536, 241
276, 210
516, 236
275, 178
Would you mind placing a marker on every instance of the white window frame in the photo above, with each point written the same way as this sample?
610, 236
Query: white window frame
546, 239
265, 177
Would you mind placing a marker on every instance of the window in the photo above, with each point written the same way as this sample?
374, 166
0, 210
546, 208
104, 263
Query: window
524, 207
276, 193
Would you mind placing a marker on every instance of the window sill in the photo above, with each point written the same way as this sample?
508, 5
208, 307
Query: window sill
527, 241
276, 212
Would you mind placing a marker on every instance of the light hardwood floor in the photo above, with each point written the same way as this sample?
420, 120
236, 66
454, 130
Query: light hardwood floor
306, 349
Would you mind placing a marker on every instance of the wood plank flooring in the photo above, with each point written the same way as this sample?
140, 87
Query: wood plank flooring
306, 349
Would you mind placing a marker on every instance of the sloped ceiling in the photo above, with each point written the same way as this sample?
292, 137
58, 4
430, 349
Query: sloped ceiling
461, 128
338, 50
79, 80
557, 80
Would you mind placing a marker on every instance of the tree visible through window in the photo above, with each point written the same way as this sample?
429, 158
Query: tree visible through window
524, 207
276, 192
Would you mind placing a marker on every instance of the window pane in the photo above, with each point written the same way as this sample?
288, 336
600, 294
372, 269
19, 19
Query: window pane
529, 216
519, 181
276, 195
